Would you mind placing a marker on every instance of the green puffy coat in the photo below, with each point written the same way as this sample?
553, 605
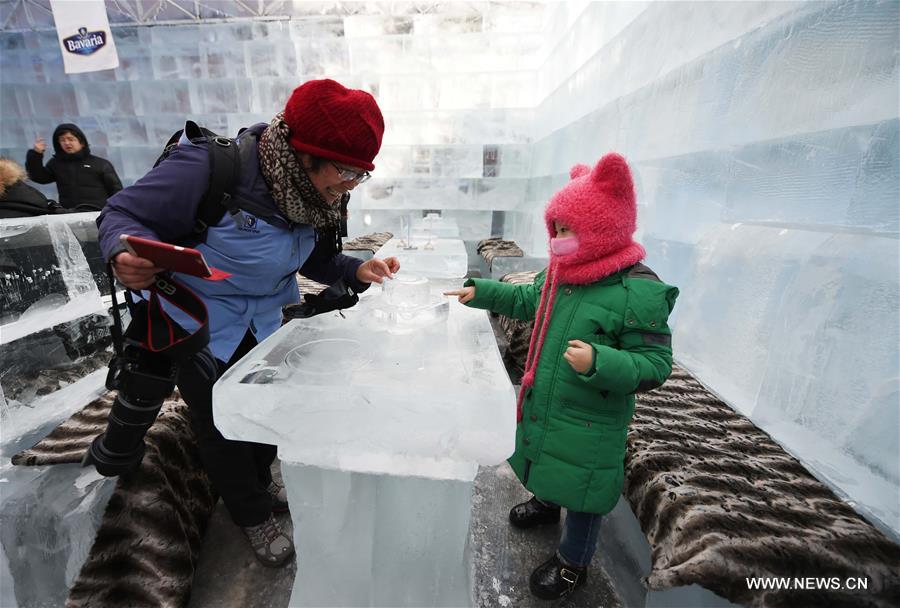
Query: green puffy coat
570, 444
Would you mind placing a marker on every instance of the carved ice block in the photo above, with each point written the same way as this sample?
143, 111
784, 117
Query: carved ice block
380, 432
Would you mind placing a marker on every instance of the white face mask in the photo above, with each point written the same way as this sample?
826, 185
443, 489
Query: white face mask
564, 246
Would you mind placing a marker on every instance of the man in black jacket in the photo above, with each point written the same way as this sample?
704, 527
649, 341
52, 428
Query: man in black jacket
83, 180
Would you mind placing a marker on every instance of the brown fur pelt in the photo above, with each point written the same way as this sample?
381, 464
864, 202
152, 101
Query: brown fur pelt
495, 247
719, 501
368, 242
149, 539
68, 442
309, 286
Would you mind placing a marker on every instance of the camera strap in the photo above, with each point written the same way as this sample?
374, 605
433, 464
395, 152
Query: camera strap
163, 334
153, 329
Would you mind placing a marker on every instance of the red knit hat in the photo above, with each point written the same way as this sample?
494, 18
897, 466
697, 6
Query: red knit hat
329, 120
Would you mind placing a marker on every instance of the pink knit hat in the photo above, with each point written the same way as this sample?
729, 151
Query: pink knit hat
599, 206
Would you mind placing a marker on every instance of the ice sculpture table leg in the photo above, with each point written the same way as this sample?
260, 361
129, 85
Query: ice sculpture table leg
378, 540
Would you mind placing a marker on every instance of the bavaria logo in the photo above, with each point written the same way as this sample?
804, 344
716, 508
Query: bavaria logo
85, 42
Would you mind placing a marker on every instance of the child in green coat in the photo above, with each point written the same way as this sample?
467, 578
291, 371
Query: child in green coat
600, 336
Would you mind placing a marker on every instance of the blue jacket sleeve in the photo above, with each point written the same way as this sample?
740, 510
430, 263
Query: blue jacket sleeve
162, 205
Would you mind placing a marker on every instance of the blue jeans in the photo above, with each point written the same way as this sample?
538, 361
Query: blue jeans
579, 538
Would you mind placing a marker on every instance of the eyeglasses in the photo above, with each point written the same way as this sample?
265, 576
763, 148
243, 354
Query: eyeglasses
349, 175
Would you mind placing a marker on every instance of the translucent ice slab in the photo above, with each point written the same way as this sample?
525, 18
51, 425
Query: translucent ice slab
440, 258
343, 392
45, 276
378, 540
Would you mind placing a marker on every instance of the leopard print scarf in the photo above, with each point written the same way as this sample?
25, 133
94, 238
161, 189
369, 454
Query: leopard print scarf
296, 197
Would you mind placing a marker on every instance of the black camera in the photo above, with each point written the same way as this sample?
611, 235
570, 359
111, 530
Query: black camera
143, 380
144, 371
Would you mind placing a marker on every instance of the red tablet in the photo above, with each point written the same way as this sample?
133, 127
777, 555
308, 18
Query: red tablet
171, 257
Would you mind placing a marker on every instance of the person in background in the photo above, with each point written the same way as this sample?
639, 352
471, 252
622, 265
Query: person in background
84, 181
294, 173
18, 199
600, 336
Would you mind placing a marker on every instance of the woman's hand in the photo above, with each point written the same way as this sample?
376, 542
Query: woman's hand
134, 272
580, 356
375, 270
39, 145
465, 294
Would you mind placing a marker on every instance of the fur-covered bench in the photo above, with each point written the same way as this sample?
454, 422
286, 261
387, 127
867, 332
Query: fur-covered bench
364, 247
495, 247
719, 501
368, 242
148, 543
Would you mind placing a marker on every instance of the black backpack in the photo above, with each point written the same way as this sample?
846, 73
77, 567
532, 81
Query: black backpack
224, 171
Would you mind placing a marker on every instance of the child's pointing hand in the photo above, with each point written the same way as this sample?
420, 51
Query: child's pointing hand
465, 294
580, 356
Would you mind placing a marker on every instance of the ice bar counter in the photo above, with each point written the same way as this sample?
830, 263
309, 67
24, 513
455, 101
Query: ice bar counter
381, 415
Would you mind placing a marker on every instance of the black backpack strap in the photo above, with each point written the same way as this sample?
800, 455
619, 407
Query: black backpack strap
170, 145
246, 148
224, 172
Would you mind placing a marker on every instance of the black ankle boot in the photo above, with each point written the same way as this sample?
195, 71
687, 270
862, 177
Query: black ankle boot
553, 579
533, 513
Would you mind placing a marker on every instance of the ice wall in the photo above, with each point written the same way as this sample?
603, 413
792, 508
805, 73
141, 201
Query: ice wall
454, 80
764, 138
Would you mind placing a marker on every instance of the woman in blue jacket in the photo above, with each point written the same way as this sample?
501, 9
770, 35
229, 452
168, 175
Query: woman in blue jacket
294, 172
